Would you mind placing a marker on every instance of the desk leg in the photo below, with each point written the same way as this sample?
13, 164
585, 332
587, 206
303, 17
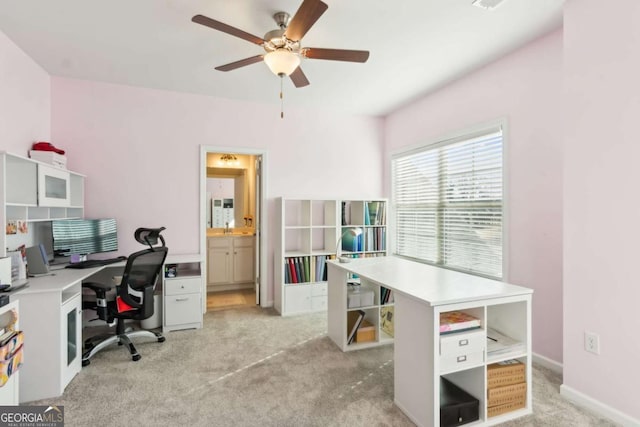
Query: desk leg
414, 382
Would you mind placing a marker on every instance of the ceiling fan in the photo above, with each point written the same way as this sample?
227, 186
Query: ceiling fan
283, 46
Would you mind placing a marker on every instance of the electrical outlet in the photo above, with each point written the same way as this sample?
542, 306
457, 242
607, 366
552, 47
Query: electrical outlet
592, 342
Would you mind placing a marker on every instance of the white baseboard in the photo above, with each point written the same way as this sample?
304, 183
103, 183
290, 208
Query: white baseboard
547, 363
598, 407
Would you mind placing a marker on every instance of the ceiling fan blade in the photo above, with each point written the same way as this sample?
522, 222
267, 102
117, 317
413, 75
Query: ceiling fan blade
337, 54
298, 78
241, 63
217, 25
307, 15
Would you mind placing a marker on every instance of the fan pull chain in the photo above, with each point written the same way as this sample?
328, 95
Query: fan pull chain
281, 99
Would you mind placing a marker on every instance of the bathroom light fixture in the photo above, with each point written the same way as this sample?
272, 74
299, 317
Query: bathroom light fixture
229, 159
351, 232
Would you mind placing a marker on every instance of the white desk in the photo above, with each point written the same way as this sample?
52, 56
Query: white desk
51, 318
421, 293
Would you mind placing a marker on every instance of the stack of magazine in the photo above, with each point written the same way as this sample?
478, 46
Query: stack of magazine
499, 344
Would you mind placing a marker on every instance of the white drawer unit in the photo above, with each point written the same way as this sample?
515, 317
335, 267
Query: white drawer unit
183, 286
182, 310
462, 342
462, 350
182, 294
458, 362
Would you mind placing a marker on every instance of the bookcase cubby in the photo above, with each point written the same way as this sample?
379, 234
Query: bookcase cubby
311, 232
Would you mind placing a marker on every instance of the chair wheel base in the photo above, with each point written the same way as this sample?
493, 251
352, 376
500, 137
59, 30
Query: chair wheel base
136, 357
86, 362
161, 339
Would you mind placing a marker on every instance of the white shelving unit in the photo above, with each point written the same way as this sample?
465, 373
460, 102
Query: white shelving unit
19, 178
421, 354
307, 237
369, 218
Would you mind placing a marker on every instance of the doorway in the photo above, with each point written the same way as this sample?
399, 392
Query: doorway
233, 226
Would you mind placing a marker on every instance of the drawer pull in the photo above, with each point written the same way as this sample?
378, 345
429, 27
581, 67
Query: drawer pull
462, 343
461, 359
182, 299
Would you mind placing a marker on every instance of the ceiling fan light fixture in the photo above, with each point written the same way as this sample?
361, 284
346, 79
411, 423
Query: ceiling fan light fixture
282, 61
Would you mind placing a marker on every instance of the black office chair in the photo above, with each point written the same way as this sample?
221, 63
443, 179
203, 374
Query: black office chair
133, 298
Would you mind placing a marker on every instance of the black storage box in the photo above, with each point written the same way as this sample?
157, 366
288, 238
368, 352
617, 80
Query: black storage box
457, 407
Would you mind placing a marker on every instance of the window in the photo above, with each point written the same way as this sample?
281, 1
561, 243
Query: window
448, 207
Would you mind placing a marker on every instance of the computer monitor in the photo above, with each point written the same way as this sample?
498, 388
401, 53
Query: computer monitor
84, 236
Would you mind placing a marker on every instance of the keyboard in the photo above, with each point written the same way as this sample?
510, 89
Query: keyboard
96, 262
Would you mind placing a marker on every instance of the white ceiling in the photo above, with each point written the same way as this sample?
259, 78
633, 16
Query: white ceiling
416, 45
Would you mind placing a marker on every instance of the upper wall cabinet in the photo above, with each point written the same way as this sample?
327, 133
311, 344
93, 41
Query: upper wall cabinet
36, 191
54, 186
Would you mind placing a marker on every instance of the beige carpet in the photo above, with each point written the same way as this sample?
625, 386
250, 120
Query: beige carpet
251, 367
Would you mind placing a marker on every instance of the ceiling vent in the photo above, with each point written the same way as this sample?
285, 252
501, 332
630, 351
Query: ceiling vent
487, 4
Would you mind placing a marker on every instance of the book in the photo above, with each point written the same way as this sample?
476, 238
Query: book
354, 319
292, 271
367, 218
287, 278
299, 269
386, 320
455, 321
305, 269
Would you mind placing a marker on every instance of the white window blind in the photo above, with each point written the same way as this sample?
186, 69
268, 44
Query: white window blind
448, 203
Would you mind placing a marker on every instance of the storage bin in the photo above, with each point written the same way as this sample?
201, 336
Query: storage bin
457, 407
366, 332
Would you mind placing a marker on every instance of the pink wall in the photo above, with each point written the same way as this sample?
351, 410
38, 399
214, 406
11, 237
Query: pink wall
25, 99
140, 150
524, 87
601, 206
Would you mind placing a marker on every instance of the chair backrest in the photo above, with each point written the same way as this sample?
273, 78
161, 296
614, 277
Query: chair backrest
138, 281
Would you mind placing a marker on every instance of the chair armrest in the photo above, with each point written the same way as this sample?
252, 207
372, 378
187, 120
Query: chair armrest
101, 305
98, 288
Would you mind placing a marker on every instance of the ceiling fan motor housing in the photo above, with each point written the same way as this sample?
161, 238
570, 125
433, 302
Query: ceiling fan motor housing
276, 39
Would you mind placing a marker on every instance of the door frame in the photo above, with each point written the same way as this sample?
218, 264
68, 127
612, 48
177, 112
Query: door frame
264, 221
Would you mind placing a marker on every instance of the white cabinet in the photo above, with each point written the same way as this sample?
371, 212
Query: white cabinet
60, 341
305, 298
243, 260
219, 254
182, 294
35, 191
310, 233
230, 262
71, 327
54, 186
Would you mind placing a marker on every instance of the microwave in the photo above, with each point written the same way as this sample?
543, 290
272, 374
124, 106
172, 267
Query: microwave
54, 186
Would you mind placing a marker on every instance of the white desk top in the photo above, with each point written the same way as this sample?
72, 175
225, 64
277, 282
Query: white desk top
60, 279
432, 285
